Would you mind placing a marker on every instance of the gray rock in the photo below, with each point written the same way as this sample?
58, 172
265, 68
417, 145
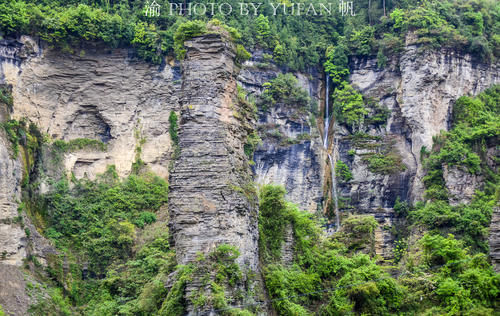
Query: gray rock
494, 239
211, 199
297, 165
99, 94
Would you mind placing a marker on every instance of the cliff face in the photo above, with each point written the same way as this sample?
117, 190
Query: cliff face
291, 150
212, 200
105, 95
101, 94
419, 89
12, 236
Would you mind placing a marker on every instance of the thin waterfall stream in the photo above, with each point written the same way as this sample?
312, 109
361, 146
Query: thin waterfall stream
327, 115
332, 156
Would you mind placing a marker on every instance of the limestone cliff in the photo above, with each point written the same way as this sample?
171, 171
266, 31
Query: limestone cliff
101, 94
285, 156
212, 199
419, 88
106, 95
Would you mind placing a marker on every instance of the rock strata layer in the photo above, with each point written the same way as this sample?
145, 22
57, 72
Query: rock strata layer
212, 200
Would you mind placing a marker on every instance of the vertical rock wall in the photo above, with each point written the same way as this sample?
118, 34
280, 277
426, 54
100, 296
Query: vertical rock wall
211, 198
419, 88
100, 94
291, 150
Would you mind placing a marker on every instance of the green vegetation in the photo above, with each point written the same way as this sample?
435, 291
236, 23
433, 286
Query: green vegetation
186, 31
336, 277
349, 106
100, 218
284, 89
94, 225
379, 28
318, 264
173, 127
242, 54
6, 96
26, 136
174, 137
342, 171
77, 144
450, 280
384, 163
465, 146
220, 273
253, 140
470, 222
358, 233
475, 128
469, 25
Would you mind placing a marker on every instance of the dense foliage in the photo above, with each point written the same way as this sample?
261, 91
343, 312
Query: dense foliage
465, 147
378, 28
284, 89
342, 171
336, 276
94, 225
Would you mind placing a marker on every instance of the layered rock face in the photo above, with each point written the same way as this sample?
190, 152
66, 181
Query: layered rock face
419, 89
19, 238
285, 158
13, 240
212, 200
12, 236
494, 239
290, 153
101, 94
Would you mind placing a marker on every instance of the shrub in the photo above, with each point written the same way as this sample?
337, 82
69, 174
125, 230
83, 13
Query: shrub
253, 140
387, 163
342, 171
72, 214
284, 89
173, 127
349, 106
272, 220
6, 97
242, 54
185, 31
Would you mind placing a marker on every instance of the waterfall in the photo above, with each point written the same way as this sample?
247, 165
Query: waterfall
327, 115
332, 156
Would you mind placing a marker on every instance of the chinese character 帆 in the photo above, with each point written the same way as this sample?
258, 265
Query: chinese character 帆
346, 7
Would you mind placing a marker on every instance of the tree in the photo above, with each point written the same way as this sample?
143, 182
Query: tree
279, 54
337, 65
263, 30
349, 105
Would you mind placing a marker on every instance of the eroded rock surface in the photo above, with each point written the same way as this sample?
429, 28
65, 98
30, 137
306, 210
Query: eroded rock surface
290, 153
419, 89
98, 94
494, 239
211, 199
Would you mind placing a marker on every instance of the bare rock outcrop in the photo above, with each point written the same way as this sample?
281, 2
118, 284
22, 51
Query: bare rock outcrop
100, 94
420, 89
494, 239
212, 200
291, 150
